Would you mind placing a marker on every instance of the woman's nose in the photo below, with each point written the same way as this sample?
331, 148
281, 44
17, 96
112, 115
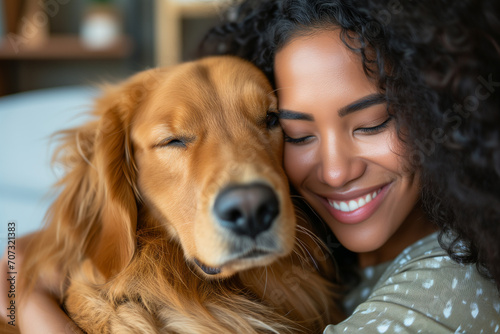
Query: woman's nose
339, 163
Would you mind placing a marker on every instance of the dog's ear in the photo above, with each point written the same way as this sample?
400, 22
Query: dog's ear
116, 171
114, 243
95, 215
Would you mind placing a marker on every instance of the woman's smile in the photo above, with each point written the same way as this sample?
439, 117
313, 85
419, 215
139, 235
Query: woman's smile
353, 208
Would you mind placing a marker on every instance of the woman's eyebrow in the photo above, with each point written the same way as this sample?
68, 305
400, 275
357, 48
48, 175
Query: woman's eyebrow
294, 115
362, 103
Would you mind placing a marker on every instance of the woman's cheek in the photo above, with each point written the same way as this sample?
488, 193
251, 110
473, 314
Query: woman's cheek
298, 163
384, 149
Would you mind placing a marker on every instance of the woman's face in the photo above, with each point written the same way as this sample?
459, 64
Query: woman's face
341, 149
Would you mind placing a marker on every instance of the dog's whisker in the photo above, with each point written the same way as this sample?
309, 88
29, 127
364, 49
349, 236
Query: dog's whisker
310, 258
304, 201
317, 240
266, 280
193, 271
274, 91
310, 234
272, 272
301, 254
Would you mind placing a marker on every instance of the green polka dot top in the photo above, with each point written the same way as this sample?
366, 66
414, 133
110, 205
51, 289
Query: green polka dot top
422, 291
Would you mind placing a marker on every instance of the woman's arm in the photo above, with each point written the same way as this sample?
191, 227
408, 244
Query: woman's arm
41, 313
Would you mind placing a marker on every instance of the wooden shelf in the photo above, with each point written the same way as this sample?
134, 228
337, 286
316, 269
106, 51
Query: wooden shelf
64, 47
169, 15
194, 9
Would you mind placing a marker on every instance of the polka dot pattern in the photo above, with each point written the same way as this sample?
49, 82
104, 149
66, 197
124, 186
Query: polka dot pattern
422, 291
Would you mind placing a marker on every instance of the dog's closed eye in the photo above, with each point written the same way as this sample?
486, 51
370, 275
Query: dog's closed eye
180, 142
272, 120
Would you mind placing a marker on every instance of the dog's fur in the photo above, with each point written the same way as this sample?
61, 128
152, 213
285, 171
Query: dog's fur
135, 212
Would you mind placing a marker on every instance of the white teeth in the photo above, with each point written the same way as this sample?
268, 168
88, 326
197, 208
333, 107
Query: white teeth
353, 205
368, 198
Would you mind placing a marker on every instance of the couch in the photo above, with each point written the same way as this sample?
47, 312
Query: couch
27, 121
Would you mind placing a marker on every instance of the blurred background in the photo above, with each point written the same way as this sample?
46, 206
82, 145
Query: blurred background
47, 43
52, 55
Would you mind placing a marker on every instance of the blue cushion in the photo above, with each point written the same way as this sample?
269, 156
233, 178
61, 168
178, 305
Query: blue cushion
27, 121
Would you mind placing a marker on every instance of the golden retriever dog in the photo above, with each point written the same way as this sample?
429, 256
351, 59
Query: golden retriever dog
175, 215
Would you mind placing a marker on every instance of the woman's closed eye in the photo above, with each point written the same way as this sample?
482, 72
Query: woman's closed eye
297, 141
376, 129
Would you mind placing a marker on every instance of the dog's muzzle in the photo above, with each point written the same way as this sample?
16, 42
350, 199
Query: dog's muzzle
247, 210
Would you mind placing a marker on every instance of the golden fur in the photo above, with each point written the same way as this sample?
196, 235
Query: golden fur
134, 212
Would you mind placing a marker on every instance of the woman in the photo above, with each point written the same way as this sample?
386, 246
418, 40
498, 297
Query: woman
371, 147
390, 117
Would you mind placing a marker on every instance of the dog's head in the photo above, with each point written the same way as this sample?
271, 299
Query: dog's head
198, 148
208, 155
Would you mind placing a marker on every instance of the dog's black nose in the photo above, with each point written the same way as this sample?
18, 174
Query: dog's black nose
247, 209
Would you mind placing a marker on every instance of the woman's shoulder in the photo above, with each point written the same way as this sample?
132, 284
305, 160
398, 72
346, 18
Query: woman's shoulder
423, 254
426, 262
424, 290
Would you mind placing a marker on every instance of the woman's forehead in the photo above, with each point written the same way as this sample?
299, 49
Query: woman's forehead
321, 67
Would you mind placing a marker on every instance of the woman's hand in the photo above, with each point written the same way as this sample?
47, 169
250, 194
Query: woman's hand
40, 311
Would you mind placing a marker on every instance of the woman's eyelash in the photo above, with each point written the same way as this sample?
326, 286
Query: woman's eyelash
378, 127
296, 140
371, 130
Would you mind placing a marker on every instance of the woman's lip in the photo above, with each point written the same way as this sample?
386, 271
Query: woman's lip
362, 213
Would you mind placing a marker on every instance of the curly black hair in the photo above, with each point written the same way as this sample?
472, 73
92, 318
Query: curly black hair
438, 63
